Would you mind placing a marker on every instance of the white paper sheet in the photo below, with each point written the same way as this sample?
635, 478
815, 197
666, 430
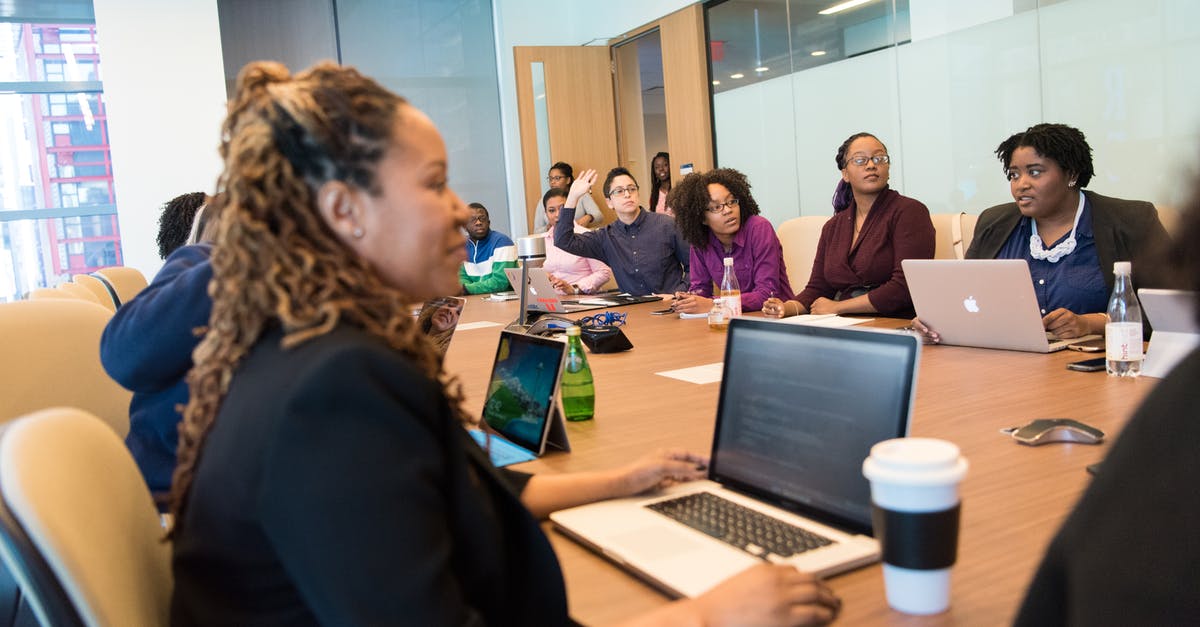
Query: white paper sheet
700, 375
482, 324
824, 320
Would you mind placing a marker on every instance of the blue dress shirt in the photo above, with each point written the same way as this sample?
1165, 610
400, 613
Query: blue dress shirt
1074, 283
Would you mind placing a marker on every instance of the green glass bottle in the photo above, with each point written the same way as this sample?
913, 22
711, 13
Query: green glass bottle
578, 393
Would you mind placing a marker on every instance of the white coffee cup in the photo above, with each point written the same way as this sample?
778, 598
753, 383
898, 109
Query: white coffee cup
914, 487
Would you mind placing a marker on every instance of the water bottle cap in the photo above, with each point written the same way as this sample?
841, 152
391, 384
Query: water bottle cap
1122, 267
572, 331
729, 261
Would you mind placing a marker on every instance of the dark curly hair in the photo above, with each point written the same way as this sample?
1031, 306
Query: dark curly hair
1065, 145
175, 223
689, 198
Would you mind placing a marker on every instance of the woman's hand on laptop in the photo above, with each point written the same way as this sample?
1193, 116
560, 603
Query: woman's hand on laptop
769, 594
1065, 324
928, 335
660, 469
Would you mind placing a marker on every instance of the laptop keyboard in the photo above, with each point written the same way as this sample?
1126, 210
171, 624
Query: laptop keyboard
741, 527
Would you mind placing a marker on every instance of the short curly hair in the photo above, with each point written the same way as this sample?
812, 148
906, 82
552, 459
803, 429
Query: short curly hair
689, 199
1065, 145
175, 223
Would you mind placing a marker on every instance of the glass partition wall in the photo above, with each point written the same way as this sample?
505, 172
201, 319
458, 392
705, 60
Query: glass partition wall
942, 83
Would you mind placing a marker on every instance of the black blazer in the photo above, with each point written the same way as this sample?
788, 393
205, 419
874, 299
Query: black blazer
335, 488
1125, 230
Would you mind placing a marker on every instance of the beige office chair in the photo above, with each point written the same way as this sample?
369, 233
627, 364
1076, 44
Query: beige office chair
69, 291
97, 287
125, 280
799, 238
1169, 218
954, 232
78, 529
52, 357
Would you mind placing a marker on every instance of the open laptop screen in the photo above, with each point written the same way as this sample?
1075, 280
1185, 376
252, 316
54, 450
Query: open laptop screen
801, 407
522, 389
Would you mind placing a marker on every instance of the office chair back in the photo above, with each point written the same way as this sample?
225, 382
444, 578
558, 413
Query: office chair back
953, 234
799, 238
127, 282
105, 296
78, 528
52, 349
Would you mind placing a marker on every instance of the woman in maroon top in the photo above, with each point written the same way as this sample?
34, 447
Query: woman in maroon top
857, 265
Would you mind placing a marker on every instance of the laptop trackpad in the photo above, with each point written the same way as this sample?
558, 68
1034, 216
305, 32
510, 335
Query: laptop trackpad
655, 543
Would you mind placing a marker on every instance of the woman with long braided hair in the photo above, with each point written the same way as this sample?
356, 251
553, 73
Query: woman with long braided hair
324, 475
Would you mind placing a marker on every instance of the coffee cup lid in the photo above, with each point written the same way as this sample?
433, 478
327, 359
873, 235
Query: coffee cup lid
916, 461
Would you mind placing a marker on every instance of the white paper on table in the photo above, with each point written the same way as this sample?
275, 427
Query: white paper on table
824, 320
482, 324
700, 375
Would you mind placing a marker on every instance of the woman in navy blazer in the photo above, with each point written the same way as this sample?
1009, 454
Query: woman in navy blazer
324, 475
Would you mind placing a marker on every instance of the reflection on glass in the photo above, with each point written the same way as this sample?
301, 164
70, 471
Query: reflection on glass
541, 116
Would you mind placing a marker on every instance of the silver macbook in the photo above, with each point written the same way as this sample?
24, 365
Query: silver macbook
1172, 315
986, 303
787, 458
542, 296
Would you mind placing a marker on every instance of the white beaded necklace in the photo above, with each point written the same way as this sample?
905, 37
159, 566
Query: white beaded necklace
1037, 249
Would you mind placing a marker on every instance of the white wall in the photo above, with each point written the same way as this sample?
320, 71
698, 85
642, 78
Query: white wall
1123, 74
541, 23
165, 94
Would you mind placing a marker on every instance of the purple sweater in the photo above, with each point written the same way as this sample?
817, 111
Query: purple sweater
757, 263
896, 228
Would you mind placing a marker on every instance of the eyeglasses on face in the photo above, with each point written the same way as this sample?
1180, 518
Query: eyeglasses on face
554, 178
721, 207
877, 159
623, 191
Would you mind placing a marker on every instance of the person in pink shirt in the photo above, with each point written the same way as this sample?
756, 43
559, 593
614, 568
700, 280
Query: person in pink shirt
569, 274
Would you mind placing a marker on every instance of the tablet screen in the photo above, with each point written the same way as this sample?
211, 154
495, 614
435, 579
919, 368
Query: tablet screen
521, 392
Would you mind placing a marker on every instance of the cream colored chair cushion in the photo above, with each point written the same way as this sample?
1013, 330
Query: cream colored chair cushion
97, 287
126, 281
954, 232
52, 357
799, 238
75, 492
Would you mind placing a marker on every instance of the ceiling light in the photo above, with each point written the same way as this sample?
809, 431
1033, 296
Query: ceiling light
738, 75
761, 68
842, 6
716, 82
818, 53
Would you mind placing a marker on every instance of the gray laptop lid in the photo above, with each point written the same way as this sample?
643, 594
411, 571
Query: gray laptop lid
801, 406
987, 303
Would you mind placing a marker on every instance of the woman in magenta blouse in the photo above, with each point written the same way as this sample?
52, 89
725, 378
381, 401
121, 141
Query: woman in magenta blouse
873, 228
718, 216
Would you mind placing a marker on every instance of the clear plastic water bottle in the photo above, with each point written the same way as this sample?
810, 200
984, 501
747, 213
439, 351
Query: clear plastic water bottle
718, 316
1123, 333
577, 389
731, 292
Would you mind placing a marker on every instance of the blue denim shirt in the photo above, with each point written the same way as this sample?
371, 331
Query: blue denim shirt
1074, 283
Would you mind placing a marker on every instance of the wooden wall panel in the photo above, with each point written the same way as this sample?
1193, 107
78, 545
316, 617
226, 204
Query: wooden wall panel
631, 126
686, 83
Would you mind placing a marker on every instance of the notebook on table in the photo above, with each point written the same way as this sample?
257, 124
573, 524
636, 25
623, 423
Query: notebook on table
521, 405
787, 457
1172, 315
985, 303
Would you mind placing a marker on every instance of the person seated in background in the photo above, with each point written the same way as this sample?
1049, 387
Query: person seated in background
147, 348
488, 254
718, 216
561, 176
325, 476
857, 265
175, 224
1069, 237
645, 250
569, 274
660, 186
1127, 553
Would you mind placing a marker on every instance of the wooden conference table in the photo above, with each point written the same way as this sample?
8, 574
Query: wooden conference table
1014, 497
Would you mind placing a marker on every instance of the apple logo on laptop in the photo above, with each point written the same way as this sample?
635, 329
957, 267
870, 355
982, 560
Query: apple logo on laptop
971, 304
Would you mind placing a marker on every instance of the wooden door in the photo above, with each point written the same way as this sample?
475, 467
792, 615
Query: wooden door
580, 112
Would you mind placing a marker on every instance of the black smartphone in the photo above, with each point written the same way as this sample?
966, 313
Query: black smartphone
1088, 365
662, 312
